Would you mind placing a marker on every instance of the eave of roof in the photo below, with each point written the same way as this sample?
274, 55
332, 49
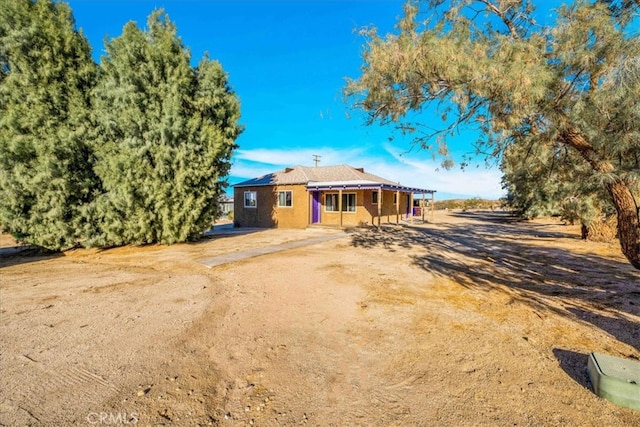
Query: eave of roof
364, 185
257, 182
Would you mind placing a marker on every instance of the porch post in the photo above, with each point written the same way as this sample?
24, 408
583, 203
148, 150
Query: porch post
411, 206
340, 205
432, 205
397, 207
379, 206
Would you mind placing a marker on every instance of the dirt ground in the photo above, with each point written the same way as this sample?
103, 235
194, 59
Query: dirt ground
471, 319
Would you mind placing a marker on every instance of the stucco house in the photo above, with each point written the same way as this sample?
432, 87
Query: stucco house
327, 195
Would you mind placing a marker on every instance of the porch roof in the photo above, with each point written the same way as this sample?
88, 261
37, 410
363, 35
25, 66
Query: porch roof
364, 185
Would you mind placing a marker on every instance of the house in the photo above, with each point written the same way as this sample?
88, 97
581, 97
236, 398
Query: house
226, 205
329, 195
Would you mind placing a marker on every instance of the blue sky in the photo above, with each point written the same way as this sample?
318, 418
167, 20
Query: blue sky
287, 61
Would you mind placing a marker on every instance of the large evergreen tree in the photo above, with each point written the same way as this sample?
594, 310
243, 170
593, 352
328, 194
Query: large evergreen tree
165, 135
46, 75
574, 85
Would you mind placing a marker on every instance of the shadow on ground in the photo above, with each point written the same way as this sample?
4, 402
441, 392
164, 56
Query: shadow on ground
575, 365
494, 251
25, 255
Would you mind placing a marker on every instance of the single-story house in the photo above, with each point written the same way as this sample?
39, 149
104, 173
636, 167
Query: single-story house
328, 195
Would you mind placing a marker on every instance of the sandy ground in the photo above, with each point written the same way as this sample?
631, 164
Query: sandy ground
471, 319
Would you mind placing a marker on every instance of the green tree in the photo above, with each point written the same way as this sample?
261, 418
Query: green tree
552, 180
574, 85
46, 74
165, 135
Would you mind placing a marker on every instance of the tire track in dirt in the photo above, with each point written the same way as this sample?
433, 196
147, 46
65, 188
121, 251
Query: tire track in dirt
66, 385
80, 377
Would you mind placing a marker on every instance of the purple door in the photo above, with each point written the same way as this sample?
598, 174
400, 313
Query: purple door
408, 207
315, 207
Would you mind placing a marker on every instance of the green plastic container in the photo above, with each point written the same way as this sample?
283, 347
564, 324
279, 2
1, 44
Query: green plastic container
615, 379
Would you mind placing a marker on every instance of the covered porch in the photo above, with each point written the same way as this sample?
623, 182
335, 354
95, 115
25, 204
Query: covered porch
356, 203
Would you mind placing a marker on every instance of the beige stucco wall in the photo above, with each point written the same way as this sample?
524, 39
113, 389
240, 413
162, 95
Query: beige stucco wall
260, 216
298, 215
267, 213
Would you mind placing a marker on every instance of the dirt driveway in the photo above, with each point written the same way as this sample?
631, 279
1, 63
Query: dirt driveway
469, 320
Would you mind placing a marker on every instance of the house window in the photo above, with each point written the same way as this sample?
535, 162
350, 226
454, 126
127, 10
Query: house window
331, 202
250, 199
374, 197
348, 202
395, 198
285, 199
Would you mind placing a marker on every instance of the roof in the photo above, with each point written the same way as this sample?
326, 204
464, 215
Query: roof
329, 177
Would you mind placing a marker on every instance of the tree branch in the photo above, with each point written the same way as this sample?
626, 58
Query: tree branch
503, 16
572, 137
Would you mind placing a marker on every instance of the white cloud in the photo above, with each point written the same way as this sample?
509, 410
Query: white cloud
293, 157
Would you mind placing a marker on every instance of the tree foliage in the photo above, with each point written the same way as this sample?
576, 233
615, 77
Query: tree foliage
136, 150
554, 102
545, 180
165, 134
46, 75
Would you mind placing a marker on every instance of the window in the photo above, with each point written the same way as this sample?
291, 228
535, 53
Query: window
285, 199
395, 198
331, 203
348, 202
250, 199
374, 197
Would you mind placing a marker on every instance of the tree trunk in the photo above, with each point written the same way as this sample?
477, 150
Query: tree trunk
628, 220
621, 196
584, 231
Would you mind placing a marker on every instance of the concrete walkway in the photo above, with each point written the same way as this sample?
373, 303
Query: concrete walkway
239, 256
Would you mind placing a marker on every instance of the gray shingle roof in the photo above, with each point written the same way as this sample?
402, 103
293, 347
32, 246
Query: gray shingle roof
306, 174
